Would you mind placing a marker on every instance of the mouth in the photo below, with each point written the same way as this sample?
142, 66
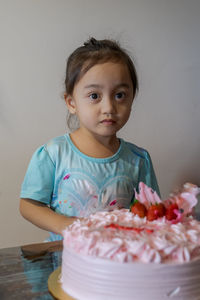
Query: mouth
108, 121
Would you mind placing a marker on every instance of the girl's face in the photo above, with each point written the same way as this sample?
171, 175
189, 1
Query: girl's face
102, 99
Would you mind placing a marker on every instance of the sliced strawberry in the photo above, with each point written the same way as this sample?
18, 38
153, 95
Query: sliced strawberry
139, 209
156, 211
170, 214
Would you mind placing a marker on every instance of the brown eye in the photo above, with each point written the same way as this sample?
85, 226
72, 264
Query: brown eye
120, 95
94, 96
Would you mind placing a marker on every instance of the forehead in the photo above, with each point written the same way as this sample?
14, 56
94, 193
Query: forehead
108, 72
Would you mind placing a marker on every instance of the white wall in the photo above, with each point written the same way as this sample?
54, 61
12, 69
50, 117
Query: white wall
35, 39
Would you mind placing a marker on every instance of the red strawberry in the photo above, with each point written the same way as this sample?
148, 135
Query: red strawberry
139, 209
162, 210
170, 214
156, 211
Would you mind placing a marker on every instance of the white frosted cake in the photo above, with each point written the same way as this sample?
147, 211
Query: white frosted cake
120, 255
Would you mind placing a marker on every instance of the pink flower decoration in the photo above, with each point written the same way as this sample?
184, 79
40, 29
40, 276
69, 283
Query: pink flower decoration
146, 195
179, 216
186, 199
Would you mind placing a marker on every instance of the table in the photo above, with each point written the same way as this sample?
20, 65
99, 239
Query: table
24, 270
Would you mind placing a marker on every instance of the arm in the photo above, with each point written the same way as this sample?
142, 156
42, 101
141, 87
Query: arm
44, 217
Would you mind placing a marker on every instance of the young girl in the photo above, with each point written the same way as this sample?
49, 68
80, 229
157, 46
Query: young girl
90, 169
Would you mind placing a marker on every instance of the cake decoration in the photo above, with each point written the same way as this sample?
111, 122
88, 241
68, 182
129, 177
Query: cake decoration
139, 209
126, 254
148, 203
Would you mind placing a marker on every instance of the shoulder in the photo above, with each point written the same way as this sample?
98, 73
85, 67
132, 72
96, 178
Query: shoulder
138, 151
56, 142
56, 147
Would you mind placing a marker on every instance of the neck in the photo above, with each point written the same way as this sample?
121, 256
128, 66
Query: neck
95, 146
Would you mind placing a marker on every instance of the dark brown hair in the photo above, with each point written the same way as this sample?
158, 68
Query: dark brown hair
95, 52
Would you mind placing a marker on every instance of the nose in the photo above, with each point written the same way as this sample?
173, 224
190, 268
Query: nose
108, 106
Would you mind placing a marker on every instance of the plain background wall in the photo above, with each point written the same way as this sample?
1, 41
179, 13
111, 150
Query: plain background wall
36, 39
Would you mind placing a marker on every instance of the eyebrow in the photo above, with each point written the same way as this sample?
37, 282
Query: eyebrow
126, 85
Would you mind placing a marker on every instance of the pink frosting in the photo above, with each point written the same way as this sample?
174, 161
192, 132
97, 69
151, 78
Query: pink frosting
107, 235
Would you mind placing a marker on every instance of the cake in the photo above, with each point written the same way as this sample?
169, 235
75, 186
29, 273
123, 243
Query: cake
121, 255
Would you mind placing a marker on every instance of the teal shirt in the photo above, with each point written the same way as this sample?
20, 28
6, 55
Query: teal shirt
74, 184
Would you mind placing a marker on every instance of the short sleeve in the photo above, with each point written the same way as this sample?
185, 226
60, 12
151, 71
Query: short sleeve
147, 174
39, 179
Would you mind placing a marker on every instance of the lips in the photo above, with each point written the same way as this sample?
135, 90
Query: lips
108, 121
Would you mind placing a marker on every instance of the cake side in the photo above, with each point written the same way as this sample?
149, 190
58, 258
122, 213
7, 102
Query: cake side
88, 278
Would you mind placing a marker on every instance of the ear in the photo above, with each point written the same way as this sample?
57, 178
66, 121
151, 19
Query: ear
70, 103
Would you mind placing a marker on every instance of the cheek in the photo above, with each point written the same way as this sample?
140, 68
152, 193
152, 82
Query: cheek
126, 116
126, 111
87, 116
